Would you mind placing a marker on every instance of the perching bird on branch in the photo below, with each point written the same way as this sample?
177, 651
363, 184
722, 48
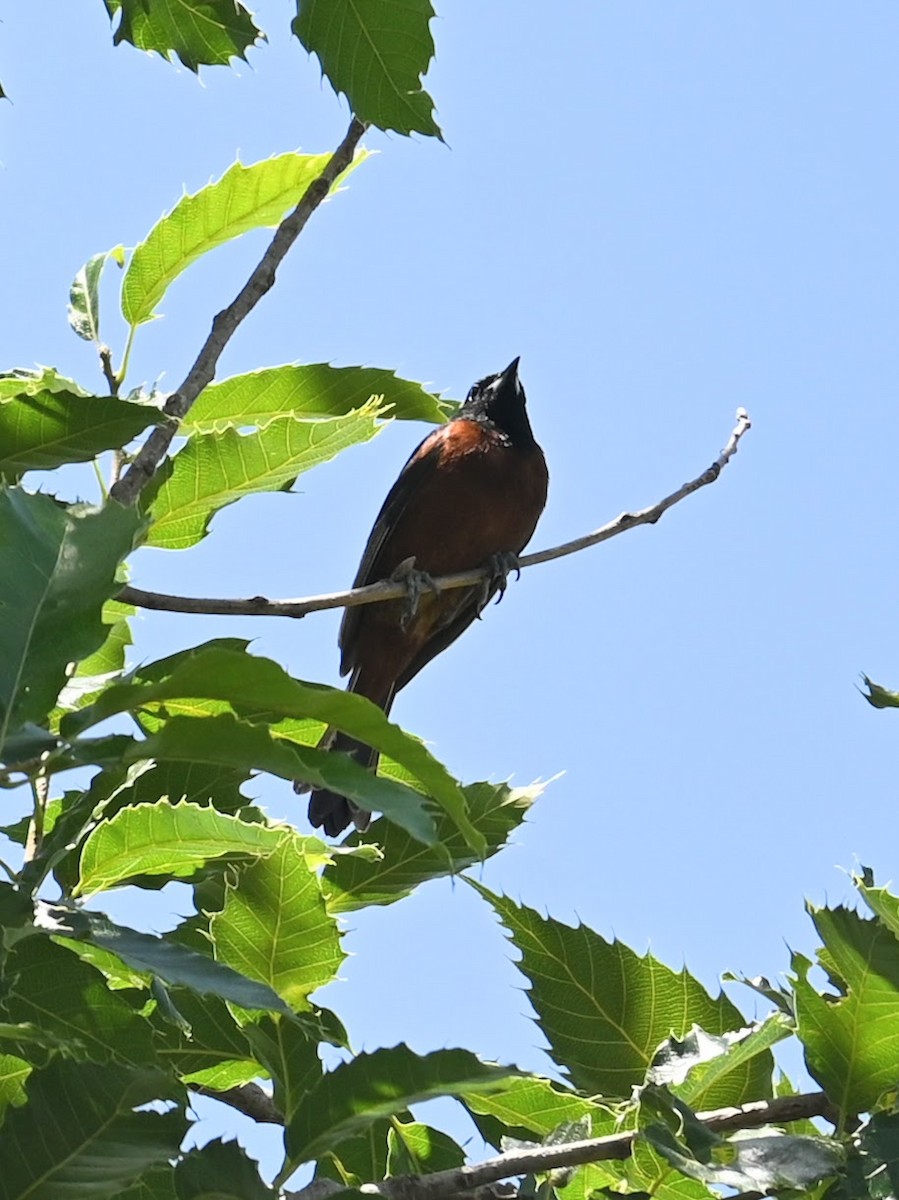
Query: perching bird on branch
469, 496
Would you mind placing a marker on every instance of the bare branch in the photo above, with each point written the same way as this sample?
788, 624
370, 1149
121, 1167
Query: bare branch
154, 450
259, 606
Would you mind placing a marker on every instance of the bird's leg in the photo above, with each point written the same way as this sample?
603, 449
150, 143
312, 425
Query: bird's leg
416, 584
500, 567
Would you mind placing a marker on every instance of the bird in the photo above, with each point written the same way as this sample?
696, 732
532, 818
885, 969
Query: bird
470, 495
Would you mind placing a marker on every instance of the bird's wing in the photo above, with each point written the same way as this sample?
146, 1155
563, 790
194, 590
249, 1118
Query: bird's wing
418, 468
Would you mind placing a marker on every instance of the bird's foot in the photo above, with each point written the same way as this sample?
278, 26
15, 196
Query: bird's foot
416, 584
500, 567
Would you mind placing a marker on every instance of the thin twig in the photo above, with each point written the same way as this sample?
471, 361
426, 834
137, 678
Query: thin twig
259, 606
462, 1181
154, 450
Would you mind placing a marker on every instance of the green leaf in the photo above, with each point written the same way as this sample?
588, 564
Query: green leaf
208, 1038
358, 1159
173, 963
199, 32
711, 1071
851, 1040
872, 1168
290, 1056
84, 294
274, 926
225, 741
374, 52
24, 381
604, 1009
55, 990
357, 1094
259, 689
14, 1072
311, 390
530, 1107
43, 431
57, 567
220, 1171
763, 1160
174, 840
217, 469
78, 1135
879, 899
244, 198
417, 1149
495, 810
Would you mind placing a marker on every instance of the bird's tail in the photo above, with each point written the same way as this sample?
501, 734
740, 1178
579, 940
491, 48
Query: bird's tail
329, 810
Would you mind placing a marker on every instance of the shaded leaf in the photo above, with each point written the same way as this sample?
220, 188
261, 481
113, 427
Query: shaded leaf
220, 1170
57, 568
851, 1040
162, 956
55, 990
356, 1094
290, 1056
84, 294
244, 198
309, 390
604, 1009
374, 52
274, 926
417, 1149
28, 381
79, 1130
217, 469
198, 32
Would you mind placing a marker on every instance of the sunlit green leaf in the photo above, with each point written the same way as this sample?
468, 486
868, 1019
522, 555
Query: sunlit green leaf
199, 32
84, 294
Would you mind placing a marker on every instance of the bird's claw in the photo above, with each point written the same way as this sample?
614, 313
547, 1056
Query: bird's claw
416, 584
500, 567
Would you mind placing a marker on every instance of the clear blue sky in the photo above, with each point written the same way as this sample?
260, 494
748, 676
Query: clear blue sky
667, 210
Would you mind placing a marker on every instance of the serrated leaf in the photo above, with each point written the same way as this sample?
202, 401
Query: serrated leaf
495, 810
531, 1108
851, 1040
217, 469
356, 1094
416, 1149
174, 840
175, 964
374, 52
259, 689
309, 390
220, 1171
28, 381
763, 1160
225, 741
603, 1008
872, 1167
244, 198
711, 1071
198, 32
208, 1037
84, 294
57, 569
274, 926
44, 431
879, 899
78, 1134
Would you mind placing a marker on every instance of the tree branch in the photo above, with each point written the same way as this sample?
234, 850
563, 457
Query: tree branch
249, 1099
259, 606
464, 1181
154, 450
